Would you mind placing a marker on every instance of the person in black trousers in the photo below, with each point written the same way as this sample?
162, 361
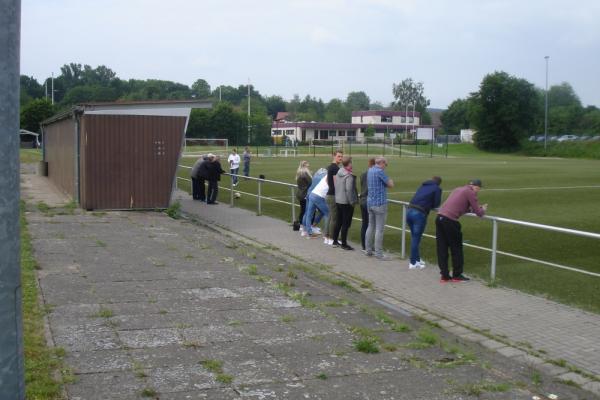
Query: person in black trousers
364, 211
346, 197
198, 176
214, 175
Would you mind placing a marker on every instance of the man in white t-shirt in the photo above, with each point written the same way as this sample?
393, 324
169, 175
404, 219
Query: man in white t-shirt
234, 165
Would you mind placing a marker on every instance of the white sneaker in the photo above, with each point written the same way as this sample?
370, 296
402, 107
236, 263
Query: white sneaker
303, 233
316, 229
421, 263
414, 266
330, 242
325, 240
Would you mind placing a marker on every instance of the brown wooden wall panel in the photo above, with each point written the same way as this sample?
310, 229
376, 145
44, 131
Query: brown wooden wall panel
60, 153
129, 161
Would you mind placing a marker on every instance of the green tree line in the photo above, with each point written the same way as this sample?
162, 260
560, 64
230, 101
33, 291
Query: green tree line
506, 110
228, 118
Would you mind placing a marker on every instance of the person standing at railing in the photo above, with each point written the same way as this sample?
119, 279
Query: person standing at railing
448, 232
364, 211
303, 181
316, 201
214, 175
378, 183
246, 158
427, 197
332, 171
234, 166
346, 196
198, 192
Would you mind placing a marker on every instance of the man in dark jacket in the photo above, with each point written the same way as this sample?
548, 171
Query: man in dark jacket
214, 175
427, 197
198, 178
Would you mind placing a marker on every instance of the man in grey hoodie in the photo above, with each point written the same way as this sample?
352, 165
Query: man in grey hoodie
346, 196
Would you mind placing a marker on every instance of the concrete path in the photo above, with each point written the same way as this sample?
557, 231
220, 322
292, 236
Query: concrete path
145, 306
526, 323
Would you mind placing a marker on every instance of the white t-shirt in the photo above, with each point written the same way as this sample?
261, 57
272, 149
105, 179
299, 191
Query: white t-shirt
234, 160
321, 188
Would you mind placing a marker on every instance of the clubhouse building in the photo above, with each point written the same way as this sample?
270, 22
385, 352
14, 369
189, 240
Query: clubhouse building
384, 123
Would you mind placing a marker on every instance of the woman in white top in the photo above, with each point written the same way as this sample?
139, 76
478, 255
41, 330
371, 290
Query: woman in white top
316, 201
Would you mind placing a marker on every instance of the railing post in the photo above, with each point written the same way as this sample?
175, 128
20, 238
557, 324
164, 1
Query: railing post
403, 231
293, 204
494, 248
259, 210
231, 191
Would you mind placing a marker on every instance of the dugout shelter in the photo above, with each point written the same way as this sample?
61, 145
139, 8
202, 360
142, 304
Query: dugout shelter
117, 156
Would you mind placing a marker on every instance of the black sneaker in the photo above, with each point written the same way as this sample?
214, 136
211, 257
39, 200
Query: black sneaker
445, 279
335, 244
346, 247
460, 278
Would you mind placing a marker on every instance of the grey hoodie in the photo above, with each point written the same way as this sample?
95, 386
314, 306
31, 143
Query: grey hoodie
345, 188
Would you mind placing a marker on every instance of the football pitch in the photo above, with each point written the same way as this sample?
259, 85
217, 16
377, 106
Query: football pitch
558, 192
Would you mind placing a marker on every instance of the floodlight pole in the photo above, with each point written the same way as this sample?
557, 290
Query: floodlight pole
12, 377
546, 108
248, 111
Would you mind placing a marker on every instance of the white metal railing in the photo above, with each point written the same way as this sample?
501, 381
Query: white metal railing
495, 221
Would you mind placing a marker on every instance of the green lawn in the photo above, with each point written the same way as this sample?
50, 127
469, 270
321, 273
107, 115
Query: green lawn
560, 192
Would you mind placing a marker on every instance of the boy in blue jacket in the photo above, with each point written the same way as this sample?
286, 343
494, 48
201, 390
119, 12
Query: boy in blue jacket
426, 198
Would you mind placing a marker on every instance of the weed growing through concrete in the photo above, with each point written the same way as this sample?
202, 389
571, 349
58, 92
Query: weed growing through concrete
252, 269
174, 210
536, 378
148, 392
322, 376
100, 243
103, 312
234, 323
138, 370
477, 389
224, 378
366, 345
287, 319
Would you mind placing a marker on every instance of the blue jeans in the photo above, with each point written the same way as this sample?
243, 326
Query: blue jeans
234, 178
314, 203
374, 235
417, 221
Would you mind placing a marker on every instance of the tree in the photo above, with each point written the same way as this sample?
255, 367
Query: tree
34, 113
201, 89
503, 111
227, 123
409, 93
455, 117
30, 89
357, 101
337, 111
274, 105
590, 122
563, 95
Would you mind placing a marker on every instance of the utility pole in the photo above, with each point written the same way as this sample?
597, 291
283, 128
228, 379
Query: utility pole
248, 142
12, 376
220, 93
546, 108
53, 88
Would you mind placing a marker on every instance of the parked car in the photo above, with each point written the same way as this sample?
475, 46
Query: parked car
567, 138
597, 137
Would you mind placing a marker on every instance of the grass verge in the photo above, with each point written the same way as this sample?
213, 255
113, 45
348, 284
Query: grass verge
41, 362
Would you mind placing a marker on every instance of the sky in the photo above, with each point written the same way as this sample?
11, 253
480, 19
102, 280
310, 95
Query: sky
322, 48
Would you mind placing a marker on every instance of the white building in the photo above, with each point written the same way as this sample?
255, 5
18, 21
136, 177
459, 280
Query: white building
384, 123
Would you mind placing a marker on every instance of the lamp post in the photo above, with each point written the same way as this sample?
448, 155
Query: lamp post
546, 108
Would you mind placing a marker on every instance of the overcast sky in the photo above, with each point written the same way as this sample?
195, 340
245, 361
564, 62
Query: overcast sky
325, 48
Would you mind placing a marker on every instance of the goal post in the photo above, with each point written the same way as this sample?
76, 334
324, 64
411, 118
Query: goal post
197, 146
326, 146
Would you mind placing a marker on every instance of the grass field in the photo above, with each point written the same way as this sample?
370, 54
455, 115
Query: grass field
559, 192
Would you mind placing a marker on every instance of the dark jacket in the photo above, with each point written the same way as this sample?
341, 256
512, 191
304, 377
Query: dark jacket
198, 167
303, 181
427, 197
364, 189
214, 170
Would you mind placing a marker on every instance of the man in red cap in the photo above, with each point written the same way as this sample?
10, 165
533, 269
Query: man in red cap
448, 230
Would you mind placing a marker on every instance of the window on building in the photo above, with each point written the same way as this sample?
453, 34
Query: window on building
289, 132
402, 119
385, 118
341, 133
411, 119
351, 132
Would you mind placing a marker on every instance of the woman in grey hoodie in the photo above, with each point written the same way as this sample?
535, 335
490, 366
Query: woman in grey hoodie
346, 196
